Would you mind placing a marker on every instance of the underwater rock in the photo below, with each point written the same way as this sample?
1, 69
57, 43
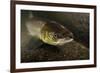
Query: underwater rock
46, 52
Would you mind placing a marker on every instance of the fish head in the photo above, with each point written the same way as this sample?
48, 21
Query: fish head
56, 34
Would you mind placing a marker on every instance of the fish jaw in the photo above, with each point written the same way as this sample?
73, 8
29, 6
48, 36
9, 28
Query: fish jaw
63, 41
58, 42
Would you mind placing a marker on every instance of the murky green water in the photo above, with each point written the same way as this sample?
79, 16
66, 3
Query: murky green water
34, 50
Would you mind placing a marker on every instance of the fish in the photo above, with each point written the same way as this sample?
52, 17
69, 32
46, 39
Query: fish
48, 31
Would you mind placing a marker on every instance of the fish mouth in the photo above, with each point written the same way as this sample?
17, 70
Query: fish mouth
63, 41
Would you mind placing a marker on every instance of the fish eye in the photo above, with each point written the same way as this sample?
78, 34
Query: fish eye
55, 35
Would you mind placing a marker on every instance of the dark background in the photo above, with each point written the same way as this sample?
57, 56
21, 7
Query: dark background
77, 23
